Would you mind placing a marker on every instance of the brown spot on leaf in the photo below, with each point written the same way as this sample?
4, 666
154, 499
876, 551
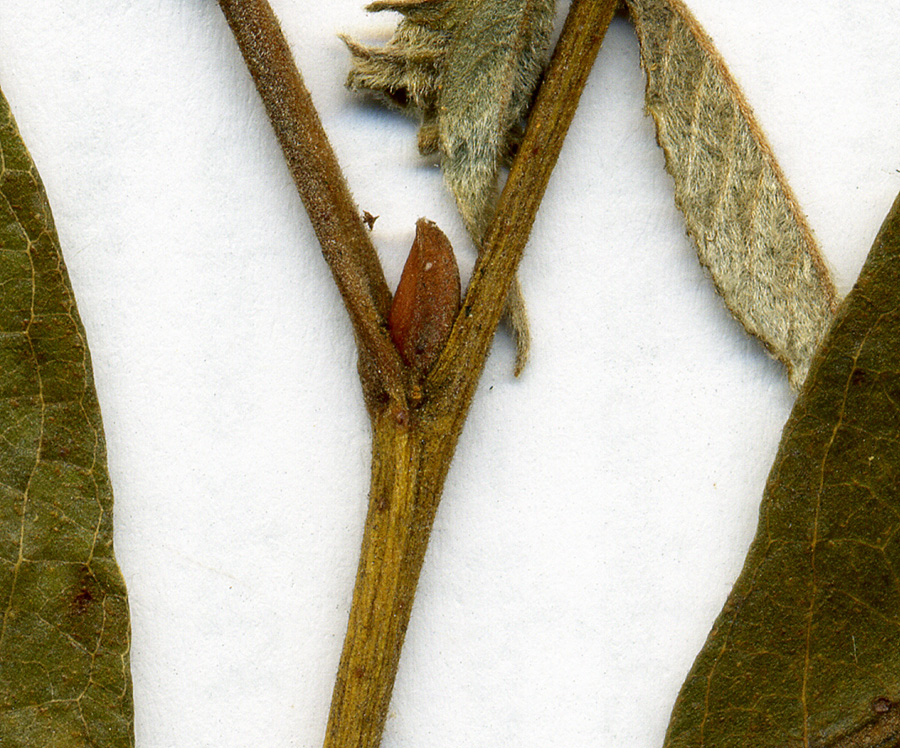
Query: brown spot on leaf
859, 377
85, 594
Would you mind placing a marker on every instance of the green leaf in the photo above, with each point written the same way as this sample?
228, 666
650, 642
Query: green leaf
807, 649
739, 209
64, 637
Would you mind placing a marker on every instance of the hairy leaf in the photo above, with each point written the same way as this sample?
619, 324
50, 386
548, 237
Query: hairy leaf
469, 69
807, 649
738, 207
64, 636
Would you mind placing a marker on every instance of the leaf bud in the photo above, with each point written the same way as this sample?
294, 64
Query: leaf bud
427, 298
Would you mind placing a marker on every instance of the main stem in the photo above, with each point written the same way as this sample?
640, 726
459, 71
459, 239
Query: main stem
410, 458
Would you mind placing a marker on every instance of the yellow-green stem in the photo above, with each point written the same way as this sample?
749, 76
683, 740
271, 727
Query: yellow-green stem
409, 463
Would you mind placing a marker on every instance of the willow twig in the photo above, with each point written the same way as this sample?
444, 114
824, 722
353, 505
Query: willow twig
410, 457
415, 435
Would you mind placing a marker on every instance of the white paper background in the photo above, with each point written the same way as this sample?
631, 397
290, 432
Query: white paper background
598, 509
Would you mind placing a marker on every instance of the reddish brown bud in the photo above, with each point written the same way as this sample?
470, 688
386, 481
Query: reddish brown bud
427, 298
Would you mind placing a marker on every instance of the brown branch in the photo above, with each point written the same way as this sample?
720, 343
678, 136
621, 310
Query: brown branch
335, 217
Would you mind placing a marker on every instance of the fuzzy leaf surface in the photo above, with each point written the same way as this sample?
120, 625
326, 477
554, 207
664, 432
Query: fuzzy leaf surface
469, 67
807, 649
64, 637
743, 217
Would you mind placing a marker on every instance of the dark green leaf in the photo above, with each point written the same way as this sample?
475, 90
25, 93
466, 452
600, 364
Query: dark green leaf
807, 649
64, 636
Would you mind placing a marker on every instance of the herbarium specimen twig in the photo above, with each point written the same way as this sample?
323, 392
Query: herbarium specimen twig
804, 652
416, 415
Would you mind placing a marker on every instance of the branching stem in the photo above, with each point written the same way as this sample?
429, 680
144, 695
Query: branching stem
416, 428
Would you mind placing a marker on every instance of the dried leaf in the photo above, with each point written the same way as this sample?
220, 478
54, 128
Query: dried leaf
738, 207
64, 636
427, 298
807, 649
469, 68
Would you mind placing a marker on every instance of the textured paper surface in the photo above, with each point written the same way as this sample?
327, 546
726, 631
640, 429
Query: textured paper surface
598, 510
